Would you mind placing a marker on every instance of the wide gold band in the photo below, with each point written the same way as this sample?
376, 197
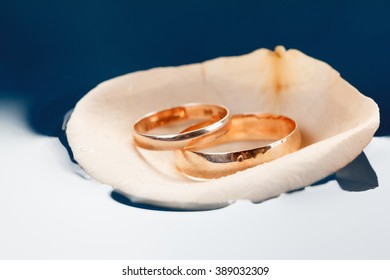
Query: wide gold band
281, 131
216, 118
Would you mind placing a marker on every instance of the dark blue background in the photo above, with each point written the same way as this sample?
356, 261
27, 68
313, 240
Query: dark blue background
52, 53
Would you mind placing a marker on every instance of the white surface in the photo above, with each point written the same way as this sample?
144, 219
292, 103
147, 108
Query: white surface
47, 211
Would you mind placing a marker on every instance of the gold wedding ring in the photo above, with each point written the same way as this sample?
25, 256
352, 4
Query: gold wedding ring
281, 132
216, 118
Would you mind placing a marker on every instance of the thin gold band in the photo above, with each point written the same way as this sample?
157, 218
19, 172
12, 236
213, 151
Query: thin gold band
281, 130
217, 117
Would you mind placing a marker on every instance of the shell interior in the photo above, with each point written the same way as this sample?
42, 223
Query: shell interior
335, 120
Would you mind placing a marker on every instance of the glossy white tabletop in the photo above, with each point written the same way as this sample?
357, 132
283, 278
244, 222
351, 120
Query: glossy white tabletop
48, 211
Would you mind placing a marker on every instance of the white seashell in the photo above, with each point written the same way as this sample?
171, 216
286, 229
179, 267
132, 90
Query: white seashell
336, 122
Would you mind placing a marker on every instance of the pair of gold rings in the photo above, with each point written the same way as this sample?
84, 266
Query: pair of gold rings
271, 136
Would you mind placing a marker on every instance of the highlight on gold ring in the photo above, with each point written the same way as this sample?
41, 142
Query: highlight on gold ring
215, 118
280, 134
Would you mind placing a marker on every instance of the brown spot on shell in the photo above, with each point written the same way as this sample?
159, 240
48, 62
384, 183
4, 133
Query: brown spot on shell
278, 80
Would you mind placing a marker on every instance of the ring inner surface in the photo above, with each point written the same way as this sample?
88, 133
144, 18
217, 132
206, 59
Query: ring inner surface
259, 129
181, 114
